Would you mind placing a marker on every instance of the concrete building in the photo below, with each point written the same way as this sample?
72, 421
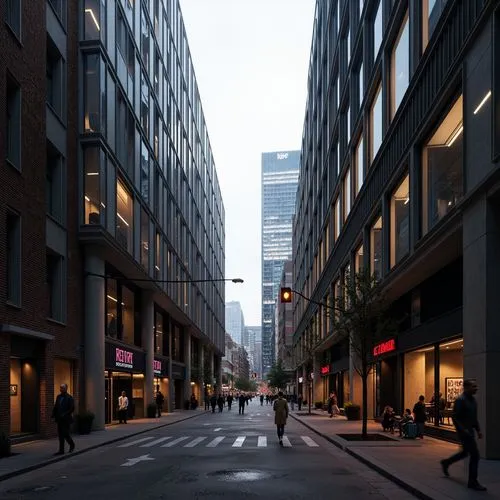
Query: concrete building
280, 172
257, 367
235, 363
40, 262
400, 175
235, 321
251, 336
151, 212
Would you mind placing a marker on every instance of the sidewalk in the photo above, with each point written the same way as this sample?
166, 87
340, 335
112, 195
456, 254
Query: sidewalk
36, 454
413, 464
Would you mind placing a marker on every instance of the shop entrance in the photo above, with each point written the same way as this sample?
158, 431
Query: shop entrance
121, 382
24, 392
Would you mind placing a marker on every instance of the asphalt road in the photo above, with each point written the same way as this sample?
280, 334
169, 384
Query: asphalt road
213, 456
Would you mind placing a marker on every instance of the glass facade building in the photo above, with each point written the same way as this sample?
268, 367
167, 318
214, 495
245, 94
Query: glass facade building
280, 171
152, 217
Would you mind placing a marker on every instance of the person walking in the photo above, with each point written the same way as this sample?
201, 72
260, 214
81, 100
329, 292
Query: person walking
213, 402
262, 400
63, 415
229, 402
280, 415
467, 425
159, 402
241, 404
122, 408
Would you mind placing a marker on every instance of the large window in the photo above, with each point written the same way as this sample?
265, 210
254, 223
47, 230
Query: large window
145, 172
13, 124
400, 66
400, 221
431, 12
338, 218
13, 16
361, 85
144, 239
127, 310
13, 258
376, 248
124, 216
376, 124
442, 168
378, 30
145, 32
347, 194
159, 333
359, 162
120, 312
55, 279
111, 308
54, 193
145, 105
94, 19
358, 260
92, 180
92, 113
56, 79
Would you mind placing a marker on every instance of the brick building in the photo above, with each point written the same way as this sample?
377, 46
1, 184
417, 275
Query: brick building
40, 268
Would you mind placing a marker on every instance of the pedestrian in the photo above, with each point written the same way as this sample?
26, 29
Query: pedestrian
220, 403
241, 404
229, 402
466, 425
299, 401
207, 401
280, 415
63, 415
420, 416
262, 400
122, 408
213, 402
159, 402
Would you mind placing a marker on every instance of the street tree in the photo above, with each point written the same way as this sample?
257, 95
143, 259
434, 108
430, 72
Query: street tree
245, 384
277, 376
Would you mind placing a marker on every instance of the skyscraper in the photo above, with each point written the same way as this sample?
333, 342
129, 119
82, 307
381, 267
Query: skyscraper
251, 335
280, 172
235, 322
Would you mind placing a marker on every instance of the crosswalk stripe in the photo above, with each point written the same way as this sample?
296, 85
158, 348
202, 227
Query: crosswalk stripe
286, 442
309, 441
215, 442
194, 442
239, 442
126, 445
155, 442
175, 441
262, 441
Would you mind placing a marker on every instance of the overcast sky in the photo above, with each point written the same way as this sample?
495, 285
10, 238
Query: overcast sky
251, 60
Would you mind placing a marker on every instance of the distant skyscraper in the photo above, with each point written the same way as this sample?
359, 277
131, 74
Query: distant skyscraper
235, 323
251, 335
280, 173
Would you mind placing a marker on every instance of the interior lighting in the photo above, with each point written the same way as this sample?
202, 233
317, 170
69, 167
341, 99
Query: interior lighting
122, 219
87, 198
483, 102
91, 12
455, 136
92, 173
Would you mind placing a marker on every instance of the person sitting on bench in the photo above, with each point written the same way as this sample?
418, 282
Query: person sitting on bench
405, 420
388, 419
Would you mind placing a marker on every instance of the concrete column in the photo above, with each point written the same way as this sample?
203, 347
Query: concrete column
481, 315
187, 360
147, 335
94, 339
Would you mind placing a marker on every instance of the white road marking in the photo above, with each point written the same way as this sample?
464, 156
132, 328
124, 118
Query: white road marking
268, 414
215, 442
155, 442
135, 442
132, 461
286, 442
309, 441
175, 441
194, 442
262, 441
239, 442
218, 429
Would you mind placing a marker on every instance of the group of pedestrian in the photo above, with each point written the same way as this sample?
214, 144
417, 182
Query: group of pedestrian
219, 401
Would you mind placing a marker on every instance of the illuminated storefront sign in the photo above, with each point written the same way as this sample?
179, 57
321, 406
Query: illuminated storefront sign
325, 370
124, 359
300, 380
157, 366
384, 347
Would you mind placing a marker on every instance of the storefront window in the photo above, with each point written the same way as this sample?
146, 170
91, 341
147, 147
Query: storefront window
376, 248
419, 376
159, 333
111, 308
400, 221
92, 185
127, 307
442, 168
451, 373
124, 216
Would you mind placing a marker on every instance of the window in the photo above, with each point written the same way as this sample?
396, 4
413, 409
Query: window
378, 31
376, 248
127, 307
358, 260
144, 172
13, 16
338, 218
442, 168
361, 85
124, 216
159, 333
145, 105
92, 179
144, 239
93, 19
431, 12
376, 124
111, 308
92, 121
13, 258
400, 221
347, 194
145, 38
55, 289
348, 46
400, 66
54, 183
59, 7
359, 162
56, 77
13, 120
348, 120
158, 256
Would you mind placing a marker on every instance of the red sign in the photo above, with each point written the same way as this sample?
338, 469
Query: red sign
325, 370
124, 359
384, 347
157, 367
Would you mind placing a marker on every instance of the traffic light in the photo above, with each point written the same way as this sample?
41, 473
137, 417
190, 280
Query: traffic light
286, 294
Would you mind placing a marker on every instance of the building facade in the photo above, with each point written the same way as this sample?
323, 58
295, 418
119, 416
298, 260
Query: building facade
235, 321
280, 172
284, 326
400, 175
40, 264
250, 337
150, 210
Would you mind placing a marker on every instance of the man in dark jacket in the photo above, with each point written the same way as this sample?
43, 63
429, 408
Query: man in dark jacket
466, 424
63, 415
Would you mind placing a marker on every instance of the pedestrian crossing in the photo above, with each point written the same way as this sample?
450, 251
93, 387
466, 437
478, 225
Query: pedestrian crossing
206, 442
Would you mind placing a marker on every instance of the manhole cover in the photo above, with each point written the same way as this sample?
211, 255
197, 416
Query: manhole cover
240, 475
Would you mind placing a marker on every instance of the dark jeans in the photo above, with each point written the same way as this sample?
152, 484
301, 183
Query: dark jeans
281, 430
242, 408
469, 447
63, 433
122, 416
159, 407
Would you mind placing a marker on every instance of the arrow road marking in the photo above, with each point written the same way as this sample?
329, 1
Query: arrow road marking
132, 461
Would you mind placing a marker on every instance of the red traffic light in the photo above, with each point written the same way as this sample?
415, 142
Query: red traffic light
286, 294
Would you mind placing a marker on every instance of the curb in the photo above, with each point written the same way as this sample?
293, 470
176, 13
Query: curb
383, 472
40, 465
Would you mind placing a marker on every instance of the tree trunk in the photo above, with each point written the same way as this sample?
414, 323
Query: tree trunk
364, 428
